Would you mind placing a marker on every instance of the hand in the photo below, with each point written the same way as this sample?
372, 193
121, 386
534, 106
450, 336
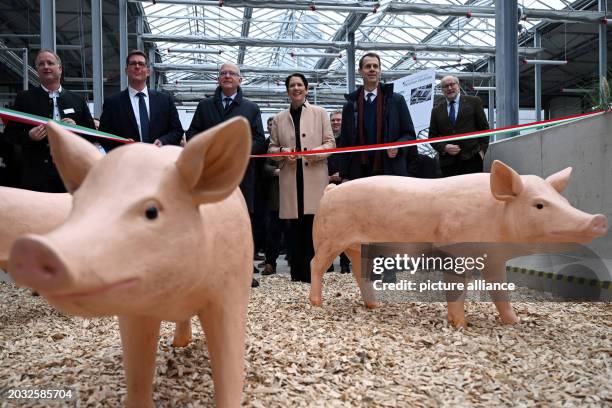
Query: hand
309, 158
68, 120
292, 158
392, 153
38, 133
157, 143
335, 178
452, 149
276, 172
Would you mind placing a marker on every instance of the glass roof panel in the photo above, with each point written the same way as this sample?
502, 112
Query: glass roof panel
321, 25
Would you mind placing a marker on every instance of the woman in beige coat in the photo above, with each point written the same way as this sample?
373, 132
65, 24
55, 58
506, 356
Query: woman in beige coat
302, 179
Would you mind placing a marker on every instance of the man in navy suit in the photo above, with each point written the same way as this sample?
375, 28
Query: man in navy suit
138, 113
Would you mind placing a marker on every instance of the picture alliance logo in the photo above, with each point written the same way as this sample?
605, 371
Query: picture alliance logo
406, 263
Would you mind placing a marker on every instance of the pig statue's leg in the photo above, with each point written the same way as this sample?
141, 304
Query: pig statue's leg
318, 266
139, 336
496, 272
367, 291
455, 301
224, 327
182, 334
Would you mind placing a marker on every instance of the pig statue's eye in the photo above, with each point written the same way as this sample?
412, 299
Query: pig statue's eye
151, 212
539, 206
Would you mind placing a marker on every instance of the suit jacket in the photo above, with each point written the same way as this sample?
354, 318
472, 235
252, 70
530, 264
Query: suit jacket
164, 124
316, 133
397, 126
470, 118
210, 113
38, 171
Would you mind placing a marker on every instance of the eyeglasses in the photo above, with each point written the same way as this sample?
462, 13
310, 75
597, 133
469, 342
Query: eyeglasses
452, 84
137, 64
229, 73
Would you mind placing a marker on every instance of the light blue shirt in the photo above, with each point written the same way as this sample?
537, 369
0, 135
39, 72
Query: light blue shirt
223, 98
456, 105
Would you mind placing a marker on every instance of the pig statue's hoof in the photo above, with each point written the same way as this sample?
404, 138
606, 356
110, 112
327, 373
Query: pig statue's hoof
457, 322
510, 319
372, 305
316, 302
181, 341
182, 334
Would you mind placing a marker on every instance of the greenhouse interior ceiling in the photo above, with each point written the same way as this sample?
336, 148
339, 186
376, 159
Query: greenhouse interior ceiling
189, 40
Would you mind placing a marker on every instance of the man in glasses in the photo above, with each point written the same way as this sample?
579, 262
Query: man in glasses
139, 113
228, 102
53, 101
457, 114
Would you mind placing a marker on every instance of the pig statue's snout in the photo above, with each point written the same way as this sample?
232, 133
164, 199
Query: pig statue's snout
33, 263
599, 225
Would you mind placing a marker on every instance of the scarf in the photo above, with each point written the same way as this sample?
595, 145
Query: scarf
380, 101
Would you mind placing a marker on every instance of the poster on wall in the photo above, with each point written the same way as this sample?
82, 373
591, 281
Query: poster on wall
418, 90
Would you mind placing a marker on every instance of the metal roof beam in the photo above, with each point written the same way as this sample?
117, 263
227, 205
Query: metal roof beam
352, 22
239, 41
337, 45
595, 17
246, 25
360, 6
463, 49
318, 73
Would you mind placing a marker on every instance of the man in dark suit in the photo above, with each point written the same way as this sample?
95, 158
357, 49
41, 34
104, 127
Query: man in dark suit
374, 114
53, 101
141, 114
9, 162
458, 114
226, 103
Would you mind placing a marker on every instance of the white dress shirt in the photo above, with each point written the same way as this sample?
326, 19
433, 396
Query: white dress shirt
136, 107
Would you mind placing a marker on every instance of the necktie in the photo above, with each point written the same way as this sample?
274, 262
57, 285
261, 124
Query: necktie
56, 114
144, 118
226, 103
369, 97
451, 113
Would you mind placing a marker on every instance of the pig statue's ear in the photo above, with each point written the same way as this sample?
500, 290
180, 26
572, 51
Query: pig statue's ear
560, 179
213, 162
506, 184
73, 156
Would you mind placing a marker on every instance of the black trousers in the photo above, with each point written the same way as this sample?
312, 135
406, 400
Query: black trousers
273, 238
458, 167
300, 247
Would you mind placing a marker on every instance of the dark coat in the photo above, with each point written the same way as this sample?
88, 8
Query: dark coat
38, 171
210, 113
397, 126
164, 124
470, 118
9, 163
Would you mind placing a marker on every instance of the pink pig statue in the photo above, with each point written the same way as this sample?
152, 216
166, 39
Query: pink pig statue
498, 207
32, 212
154, 234
25, 211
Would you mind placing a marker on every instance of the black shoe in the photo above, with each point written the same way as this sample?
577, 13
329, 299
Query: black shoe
261, 264
255, 270
254, 283
331, 268
258, 257
268, 270
345, 269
